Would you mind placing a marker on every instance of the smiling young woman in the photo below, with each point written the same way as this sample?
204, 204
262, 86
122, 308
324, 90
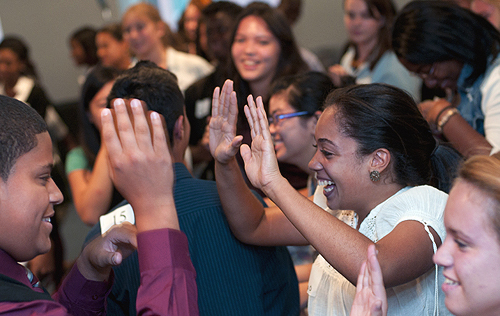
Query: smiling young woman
368, 57
263, 49
365, 165
469, 253
149, 39
472, 245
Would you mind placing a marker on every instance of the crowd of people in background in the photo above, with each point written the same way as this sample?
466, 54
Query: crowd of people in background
252, 178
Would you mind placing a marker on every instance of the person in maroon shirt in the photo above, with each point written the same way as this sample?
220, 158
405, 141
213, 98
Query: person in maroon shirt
141, 163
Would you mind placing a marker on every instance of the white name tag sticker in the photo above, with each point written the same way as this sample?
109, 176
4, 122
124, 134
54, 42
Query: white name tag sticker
122, 214
202, 108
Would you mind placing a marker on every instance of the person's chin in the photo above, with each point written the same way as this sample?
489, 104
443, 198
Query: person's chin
455, 307
454, 300
249, 76
45, 247
281, 156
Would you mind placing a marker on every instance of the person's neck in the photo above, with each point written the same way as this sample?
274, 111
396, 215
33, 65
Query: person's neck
157, 55
125, 63
260, 88
364, 50
8, 87
178, 151
380, 193
11, 83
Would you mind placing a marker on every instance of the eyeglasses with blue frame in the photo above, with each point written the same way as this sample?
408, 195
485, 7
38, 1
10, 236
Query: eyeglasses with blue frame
276, 118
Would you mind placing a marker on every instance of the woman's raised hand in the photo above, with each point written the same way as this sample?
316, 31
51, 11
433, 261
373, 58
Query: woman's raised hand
261, 165
224, 143
370, 299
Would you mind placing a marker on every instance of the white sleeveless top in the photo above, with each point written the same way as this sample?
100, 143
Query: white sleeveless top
332, 294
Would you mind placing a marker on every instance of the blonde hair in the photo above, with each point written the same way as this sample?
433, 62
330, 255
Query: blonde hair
146, 9
484, 173
152, 13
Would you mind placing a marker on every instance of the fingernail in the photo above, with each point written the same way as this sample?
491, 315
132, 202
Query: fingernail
135, 103
119, 102
105, 112
155, 116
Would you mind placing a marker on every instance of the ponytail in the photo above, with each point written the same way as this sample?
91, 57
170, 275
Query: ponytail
445, 162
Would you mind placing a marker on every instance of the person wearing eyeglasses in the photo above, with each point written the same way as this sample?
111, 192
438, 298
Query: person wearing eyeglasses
365, 165
456, 50
294, 108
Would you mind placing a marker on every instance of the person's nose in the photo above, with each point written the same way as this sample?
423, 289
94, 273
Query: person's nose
443, 256
249, 47
55, 195
430, 82
314, 163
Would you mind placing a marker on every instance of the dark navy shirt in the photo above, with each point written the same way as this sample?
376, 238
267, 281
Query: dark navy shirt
233, 278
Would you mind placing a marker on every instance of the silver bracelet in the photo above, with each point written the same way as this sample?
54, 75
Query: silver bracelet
446, 117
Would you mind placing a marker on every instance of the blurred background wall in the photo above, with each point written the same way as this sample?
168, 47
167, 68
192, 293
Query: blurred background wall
46, 26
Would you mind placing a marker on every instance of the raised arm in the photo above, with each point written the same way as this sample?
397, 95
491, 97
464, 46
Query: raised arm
92, 191
141, 168
343, 247
248, 219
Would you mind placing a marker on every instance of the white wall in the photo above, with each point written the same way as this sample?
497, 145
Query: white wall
321, 24
46, 25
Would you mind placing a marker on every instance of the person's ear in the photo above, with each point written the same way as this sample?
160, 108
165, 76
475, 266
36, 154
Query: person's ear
162, 29
380, 160
179, 130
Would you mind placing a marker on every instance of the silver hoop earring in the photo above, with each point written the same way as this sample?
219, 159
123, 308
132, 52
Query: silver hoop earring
374, 175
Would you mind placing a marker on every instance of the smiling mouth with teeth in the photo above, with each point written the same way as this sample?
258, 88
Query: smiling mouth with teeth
249, 62
326, 183
46, 219
450, 282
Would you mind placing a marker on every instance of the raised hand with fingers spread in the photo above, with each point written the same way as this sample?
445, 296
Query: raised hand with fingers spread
141, 164
370, 299
349, 150
261, 164
224, 143
141, 168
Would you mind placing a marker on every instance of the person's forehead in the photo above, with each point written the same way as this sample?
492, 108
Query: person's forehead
135, 16
223, 16
279, 101
219, 19
458, 217
39, 156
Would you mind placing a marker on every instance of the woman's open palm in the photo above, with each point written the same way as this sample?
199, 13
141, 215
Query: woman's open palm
224, 143
260, 160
